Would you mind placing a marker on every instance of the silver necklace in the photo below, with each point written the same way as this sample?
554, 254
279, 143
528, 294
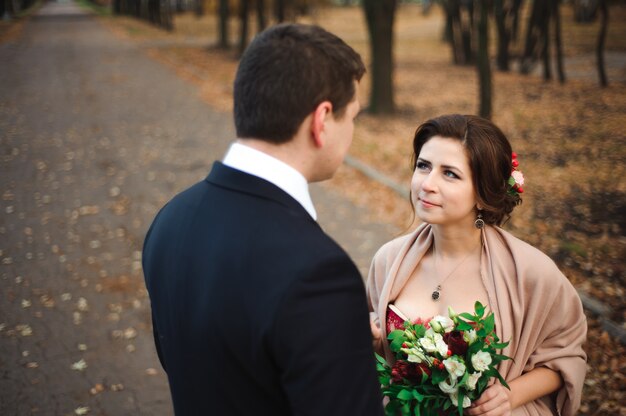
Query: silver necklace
437, 292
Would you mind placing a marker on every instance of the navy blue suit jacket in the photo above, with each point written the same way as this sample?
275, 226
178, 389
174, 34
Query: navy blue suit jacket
255, 309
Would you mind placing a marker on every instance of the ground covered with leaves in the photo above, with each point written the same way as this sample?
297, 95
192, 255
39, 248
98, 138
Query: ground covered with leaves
569, 137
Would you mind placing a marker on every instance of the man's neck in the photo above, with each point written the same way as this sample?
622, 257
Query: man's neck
287, 152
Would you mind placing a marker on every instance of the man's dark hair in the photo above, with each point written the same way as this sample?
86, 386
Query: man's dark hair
285, 73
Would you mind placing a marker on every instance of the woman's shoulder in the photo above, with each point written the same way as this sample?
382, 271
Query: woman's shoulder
528, 258
390, 249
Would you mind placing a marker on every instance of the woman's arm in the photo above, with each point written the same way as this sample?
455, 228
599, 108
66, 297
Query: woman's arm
498, 400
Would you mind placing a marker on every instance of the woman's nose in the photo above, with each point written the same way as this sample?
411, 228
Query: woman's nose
428, 183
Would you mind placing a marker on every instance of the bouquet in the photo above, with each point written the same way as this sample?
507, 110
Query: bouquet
442, 364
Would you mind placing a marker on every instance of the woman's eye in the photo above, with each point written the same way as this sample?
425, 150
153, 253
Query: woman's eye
421, 165
451, 174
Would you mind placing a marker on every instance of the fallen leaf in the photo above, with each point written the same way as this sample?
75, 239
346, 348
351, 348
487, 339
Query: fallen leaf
79, 365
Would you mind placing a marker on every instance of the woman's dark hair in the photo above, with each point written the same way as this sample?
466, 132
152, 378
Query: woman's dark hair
489, 153
285, 73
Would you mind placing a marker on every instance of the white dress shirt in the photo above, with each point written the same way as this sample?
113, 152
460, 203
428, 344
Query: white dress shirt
264, 166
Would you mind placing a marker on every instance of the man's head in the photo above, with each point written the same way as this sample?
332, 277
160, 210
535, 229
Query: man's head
285, 73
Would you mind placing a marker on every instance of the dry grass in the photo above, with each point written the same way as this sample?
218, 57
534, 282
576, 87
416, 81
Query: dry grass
570, 140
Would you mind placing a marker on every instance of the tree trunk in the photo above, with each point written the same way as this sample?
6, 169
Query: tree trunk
224, 13
165, 12
450, 8
467, 28
243, 25
279, 10
545, 40
484, 70
532, 38
517, 5
503, 36
380, 16
199, 9
260, 15
556, 15
604, 23
459, 27
456, 31
585, 10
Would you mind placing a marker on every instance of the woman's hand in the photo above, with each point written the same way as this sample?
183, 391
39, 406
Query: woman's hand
495, 401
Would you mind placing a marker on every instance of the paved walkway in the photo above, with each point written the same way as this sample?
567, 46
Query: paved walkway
94, 138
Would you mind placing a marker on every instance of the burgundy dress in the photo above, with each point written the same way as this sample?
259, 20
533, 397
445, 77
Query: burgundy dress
394, 320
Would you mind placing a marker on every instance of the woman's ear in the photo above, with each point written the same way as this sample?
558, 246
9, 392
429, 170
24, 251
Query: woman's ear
321, 112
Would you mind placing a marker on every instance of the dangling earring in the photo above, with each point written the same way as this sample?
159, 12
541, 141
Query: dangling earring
479, 223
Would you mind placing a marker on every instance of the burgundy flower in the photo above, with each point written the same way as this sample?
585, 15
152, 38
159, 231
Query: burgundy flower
456, 343
411, 372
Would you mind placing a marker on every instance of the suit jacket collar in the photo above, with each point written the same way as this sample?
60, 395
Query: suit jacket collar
227, 177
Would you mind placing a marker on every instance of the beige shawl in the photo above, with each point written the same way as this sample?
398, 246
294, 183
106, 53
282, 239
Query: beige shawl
536, 309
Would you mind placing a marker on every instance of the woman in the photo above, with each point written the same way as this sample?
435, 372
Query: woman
463, 188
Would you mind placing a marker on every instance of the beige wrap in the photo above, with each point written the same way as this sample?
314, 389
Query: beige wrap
536, 308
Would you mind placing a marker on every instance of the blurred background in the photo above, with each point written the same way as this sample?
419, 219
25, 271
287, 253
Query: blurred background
551, 74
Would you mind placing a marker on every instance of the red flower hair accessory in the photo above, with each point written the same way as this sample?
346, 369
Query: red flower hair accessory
516, 180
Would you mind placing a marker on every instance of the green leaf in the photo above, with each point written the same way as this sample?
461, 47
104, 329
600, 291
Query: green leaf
420, 330
394, 334
381, 360
480, 309
500, 357
490, 323
463, 326
469, 317
459, 403
396, 344
418, 396
464, 378
438, 375
500, 345
502, 381
405, 395
392, 408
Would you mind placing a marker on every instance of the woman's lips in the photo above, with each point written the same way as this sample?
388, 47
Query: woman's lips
427, 204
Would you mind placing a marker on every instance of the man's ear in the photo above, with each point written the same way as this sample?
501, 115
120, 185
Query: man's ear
321, 112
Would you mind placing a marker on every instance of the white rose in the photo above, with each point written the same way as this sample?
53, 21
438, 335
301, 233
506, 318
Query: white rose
450, 387
470, 336
481, 361
455, 400
442, 324
471, 381
454, 367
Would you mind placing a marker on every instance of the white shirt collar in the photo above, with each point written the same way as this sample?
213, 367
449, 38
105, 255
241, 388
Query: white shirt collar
257, 163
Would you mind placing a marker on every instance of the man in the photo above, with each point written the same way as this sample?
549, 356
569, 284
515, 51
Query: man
256, 311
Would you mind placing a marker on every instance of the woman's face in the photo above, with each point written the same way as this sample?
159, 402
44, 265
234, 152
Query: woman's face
441, 189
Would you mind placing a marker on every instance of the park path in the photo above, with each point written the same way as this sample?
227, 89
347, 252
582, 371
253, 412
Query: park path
94, 138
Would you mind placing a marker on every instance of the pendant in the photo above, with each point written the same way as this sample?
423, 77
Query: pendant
435, 294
